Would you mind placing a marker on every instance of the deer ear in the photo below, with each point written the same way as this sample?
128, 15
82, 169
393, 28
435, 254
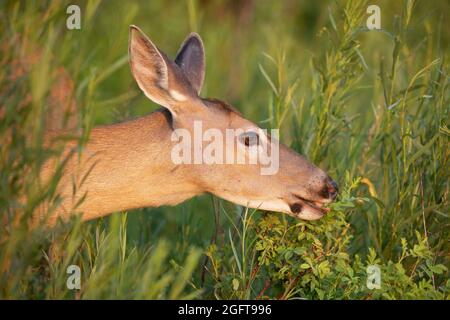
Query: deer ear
159, 78
191, 59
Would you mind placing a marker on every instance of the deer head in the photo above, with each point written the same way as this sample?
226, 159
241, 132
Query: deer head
296, 187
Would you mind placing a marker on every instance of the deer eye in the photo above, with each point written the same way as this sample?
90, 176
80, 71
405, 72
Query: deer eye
249, 138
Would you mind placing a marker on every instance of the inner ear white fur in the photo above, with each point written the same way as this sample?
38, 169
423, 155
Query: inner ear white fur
177, 95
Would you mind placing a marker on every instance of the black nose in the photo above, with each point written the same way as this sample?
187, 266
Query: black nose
331, 189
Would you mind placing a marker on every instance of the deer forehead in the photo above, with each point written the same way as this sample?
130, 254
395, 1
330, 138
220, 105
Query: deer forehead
222, 121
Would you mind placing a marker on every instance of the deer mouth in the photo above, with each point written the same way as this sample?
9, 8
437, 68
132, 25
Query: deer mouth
308, 209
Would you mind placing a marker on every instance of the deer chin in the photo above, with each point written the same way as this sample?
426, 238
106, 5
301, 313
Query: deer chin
276, 205
308, 210
305, 210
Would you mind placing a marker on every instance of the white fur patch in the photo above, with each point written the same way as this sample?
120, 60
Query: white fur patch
177, 95
276, 205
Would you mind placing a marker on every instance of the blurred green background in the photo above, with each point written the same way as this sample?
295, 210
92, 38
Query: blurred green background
370, 107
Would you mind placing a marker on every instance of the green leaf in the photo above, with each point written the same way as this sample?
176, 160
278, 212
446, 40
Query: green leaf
235, 283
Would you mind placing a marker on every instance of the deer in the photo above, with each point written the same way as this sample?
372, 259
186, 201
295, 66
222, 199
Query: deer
128, 165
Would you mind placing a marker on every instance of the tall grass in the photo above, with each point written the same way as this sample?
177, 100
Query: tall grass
370, 107
34, 259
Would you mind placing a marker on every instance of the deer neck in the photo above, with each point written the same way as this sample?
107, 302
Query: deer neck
127, 166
